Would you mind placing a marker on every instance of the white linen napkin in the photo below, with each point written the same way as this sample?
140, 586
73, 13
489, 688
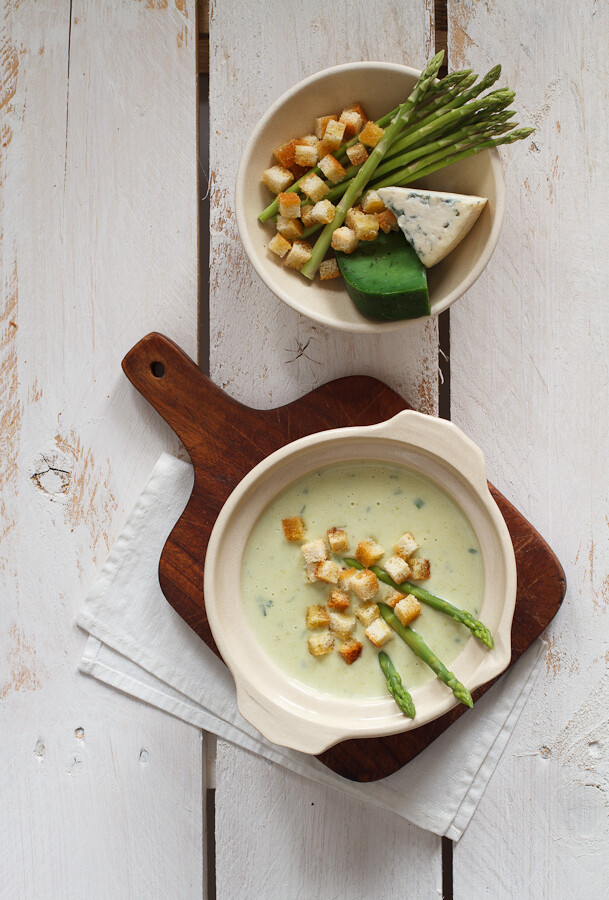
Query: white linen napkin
140, 645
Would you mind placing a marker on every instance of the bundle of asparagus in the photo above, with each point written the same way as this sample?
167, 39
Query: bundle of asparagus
441, 122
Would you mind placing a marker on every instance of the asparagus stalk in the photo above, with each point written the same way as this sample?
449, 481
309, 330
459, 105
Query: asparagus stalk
420, 649
364, 175
395, 686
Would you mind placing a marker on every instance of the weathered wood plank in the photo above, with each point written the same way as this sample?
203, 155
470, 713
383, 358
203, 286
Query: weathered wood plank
98, 245
529, 384
269, 834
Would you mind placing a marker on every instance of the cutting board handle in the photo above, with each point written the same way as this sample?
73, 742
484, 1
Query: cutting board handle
177, 388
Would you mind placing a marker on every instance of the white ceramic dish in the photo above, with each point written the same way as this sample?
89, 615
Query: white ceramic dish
380, 87
287, 712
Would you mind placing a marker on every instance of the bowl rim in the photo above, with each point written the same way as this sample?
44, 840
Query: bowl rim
278, 709
372, 326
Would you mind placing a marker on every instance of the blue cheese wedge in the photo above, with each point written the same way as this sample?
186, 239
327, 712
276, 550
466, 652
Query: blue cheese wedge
432, 222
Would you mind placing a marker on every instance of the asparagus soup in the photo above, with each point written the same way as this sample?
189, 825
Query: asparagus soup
371, 501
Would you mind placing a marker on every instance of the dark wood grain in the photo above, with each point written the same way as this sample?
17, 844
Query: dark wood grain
226, 439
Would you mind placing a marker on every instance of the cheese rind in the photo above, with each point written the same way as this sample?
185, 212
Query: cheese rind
433, 222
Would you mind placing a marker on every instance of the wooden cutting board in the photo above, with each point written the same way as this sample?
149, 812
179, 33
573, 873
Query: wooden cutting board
226, 439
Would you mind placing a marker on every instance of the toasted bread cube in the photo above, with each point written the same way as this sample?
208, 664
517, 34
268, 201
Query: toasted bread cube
392, 597
338, 540
321, 644
293, 528
314, 551
357, 154
289, 205
310, 572
369, 552
305, 214
277, 179
364, 584
407, 609
344, 579
324, 148
305, 155
298, 255
291, 229
339, 600
350, 651
308, 140
321, 124
314, 187
328, 269
285, 154
371, 134
317, 617
378, 632
352, 121
344, 240
352, 215
367, 612
358, 108
341, 624
334, 133
420, 569
365, 227
323, 211
279, 245
387, 221
327, 571
332, 169
397, 568
406, 545
372, 203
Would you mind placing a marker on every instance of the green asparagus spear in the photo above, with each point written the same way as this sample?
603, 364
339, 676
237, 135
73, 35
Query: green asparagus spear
477, 628
395, 686
420, 649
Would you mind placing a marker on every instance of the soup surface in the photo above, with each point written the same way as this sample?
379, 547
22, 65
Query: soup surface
371, 500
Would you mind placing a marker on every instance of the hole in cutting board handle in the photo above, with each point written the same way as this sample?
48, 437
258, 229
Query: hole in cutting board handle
157, 369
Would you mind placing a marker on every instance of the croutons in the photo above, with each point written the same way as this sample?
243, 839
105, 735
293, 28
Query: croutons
397, 568
317, 617
279, 245
387, 221
420, 569
407, 609
289, 228
277, 179
372, 203
320, 644
344, 579
327, 571
357, 154
339, 600
344, 240
367, 612
289, 205
334, 133
332, 169
378, 632
298, 255
351, 215
365, 227
313, 186
406, 545
338, 540
364, 584
341, 624
310, 572
314, 551
308, 140
369, 552
293, 528
371, 134
321, 124
305, 155
305, 214
350, 651
323, 211
328, 269
352, 121
285, 154
391, 597
358, 108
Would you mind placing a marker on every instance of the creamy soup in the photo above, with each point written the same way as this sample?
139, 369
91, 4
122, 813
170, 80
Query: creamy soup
371, 500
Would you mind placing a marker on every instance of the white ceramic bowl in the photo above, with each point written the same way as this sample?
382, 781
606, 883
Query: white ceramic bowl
380, 87
289, 713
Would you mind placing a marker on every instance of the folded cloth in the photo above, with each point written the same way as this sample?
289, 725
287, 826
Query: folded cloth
140, 645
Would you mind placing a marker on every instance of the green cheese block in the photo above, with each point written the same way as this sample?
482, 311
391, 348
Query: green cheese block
386, 279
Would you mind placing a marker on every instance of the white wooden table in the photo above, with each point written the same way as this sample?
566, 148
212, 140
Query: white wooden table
104, 797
